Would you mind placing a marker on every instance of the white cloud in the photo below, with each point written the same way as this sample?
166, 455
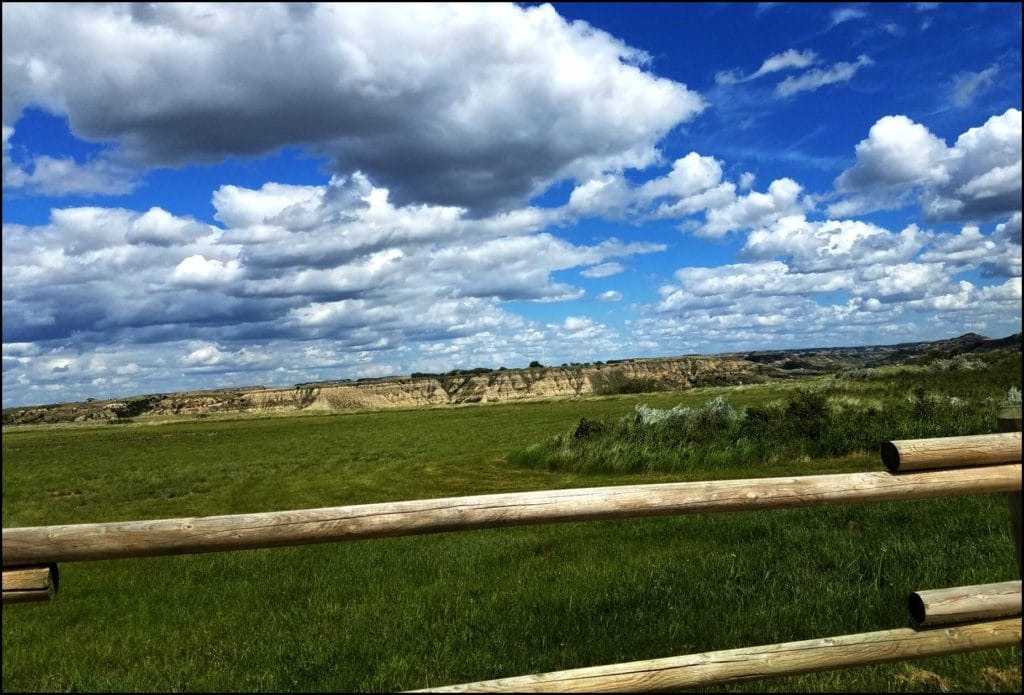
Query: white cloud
754, 209
160, 228
896, 151
735, 306
968, 247
603, 270
692, 187
818, 78
709, 287
1006, 261
787, 60
846, 14
690, 176
243, 207
832, 244
577, 323
204, 355
483, 106
984, 168
199, 271
978, 178
605, 196
968, 85
60, 176
855, 282
337, 263
610, 296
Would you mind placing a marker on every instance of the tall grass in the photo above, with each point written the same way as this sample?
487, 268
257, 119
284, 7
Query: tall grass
811, 423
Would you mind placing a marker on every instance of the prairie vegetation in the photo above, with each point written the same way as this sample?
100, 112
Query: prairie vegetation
403, 613
854, 411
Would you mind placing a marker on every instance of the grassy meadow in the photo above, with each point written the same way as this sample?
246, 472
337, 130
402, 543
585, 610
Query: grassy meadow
403, 613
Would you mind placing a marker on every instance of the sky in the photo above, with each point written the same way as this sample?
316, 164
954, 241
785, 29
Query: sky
206, 196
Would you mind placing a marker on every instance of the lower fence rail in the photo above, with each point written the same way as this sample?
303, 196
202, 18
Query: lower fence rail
749, 663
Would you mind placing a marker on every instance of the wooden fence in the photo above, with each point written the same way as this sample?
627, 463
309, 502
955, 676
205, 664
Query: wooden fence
947, 620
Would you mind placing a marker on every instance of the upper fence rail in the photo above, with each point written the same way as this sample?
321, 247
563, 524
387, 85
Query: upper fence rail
39, 545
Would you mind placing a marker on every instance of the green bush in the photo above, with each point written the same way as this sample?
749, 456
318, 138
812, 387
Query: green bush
631, 386
808, 424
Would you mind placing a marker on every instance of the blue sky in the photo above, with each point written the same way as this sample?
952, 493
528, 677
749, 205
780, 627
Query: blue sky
199, 196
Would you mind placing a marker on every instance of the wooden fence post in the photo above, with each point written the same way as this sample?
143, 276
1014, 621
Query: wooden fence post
22, 584
1009, 421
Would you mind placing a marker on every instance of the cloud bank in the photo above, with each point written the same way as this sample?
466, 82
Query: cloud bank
480, 106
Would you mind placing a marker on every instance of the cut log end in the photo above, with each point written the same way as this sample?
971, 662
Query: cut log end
906, 455
916, 605
29, 584
890, 457
965, 603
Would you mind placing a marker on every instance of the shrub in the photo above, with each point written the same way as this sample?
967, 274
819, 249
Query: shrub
630, 386
808, 424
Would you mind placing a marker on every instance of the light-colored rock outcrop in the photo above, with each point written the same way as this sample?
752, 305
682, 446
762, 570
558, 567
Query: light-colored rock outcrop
401, 392
506, 385
493, 386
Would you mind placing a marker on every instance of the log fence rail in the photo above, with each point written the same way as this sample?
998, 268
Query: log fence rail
948, 620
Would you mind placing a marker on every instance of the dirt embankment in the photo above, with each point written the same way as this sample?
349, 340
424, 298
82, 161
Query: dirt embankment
494, 386
396, 392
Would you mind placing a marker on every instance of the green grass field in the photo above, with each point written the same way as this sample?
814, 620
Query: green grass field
402, 613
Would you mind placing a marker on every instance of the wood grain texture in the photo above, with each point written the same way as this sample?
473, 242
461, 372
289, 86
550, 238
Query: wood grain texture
713, 668
1008, 420
45, 544
965, 603
951, 452
23, 584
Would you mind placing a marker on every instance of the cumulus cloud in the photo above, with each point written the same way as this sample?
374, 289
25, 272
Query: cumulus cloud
969, 248
158, 227
808, 246
338, 264
897, 151
818, 78
690, 176
1006, 261
754, 209
610, 296
852, 281
694, 186
204, 355
60, 176
709, 287
607, 196
199, 271
900, 162
482, 107
737, 305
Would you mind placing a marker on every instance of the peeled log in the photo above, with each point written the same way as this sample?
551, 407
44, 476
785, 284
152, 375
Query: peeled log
42, 544
951, 452
965, 603
713, 668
